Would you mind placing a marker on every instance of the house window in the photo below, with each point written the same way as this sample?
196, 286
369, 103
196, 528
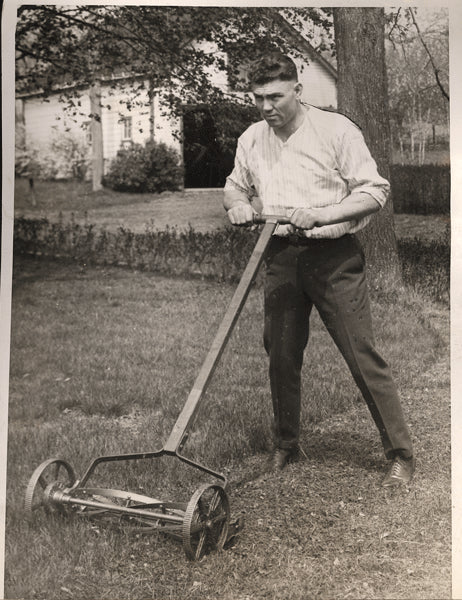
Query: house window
127, 128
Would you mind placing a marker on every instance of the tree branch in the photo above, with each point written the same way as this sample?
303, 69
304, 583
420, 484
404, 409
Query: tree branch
394, 26
37, 56
435, 68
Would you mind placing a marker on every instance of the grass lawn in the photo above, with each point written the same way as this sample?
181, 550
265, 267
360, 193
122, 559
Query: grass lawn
202, 210
102, 361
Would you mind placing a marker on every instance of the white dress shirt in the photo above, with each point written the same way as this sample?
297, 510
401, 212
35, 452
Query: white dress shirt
319, 165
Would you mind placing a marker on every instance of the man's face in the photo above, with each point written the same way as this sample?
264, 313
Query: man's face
277, 101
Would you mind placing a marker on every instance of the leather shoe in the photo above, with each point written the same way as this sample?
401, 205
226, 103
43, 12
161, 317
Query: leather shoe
401, 472
282, 456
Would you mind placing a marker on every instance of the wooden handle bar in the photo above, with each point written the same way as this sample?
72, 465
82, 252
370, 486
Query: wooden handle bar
188, 413
262, 218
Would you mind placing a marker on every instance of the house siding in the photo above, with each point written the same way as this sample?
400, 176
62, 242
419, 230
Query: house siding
319, 87
43, 117
114, 111
167, 129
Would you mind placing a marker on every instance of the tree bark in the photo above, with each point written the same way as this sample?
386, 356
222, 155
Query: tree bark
363, 97
96, 136
152, 95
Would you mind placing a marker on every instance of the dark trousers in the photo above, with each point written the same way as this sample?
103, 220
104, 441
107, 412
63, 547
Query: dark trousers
329, 274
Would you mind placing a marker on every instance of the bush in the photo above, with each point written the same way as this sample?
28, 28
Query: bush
421, 190
68, 156
65, 157
153, 167
26, 162
426, 266
219, 255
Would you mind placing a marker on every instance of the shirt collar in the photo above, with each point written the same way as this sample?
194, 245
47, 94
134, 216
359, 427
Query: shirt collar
299, 128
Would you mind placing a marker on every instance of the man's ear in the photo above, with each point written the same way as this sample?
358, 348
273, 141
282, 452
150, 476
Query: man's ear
298, 89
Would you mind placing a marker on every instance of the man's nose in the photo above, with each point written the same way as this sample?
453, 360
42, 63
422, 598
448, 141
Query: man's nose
267, 106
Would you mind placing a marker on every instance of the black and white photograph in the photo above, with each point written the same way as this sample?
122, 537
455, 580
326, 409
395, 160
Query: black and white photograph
228, 302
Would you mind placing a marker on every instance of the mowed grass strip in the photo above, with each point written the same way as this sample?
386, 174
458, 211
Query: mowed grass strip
102, 362
200, 209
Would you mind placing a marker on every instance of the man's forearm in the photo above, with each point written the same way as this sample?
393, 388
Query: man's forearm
353, 207
233, 197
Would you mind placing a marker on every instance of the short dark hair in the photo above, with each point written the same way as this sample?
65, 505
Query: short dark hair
271, 66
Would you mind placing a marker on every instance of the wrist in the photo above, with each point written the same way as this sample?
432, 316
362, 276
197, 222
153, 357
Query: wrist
325, 216
235, 203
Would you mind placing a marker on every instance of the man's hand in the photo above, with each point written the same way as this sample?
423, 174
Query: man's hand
241, 214
304, 218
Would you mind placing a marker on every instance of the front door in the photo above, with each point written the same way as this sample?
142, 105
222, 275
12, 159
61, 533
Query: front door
205, 164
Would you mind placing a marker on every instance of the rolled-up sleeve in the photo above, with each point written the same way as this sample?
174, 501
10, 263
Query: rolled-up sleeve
358, 168
240, 178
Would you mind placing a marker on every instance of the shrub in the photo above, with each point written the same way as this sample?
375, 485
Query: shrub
219, 255
25, 158
153, 167
69, 154
421, 190
426, 266
65, 157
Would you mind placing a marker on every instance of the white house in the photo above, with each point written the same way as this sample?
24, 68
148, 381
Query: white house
45, 120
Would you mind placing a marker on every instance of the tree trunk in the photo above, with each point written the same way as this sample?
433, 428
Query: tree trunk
32, 191
152, 95
363, 97
96, 136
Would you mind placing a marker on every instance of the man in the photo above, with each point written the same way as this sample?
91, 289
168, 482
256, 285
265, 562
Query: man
313, 166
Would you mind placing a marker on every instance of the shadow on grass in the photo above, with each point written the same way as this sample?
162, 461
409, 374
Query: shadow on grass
355, 449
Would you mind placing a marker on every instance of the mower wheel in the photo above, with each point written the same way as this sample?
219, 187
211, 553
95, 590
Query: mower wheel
52, 474
206, 521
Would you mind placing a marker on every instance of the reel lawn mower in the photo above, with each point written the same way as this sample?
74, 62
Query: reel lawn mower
202, 523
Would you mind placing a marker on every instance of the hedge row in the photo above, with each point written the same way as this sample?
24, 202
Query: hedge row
423, 190
426, 267
219, 255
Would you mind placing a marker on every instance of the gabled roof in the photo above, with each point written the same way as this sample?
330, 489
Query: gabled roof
304, 45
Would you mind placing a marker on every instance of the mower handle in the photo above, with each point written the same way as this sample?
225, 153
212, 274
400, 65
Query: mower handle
258, 219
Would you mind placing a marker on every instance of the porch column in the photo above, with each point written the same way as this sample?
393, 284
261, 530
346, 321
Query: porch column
96, 136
